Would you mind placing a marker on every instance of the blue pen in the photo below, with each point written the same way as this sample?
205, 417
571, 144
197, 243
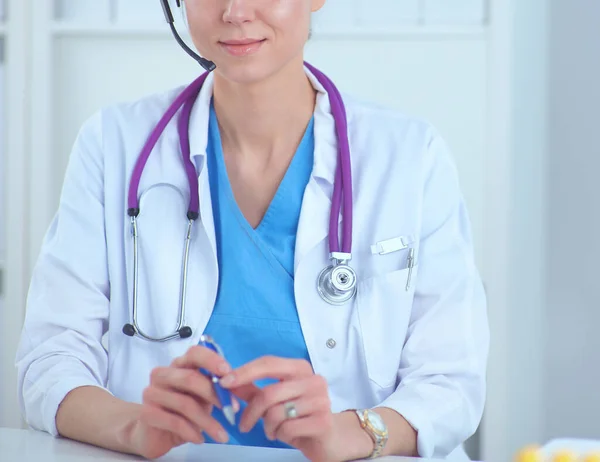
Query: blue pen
223, 394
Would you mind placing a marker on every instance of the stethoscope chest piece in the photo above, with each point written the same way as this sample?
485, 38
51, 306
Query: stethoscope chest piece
337, 284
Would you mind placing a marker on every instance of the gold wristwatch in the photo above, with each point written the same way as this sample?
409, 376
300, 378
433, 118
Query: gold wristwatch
374, 425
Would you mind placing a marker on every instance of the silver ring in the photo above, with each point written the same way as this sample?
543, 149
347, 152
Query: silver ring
290, 410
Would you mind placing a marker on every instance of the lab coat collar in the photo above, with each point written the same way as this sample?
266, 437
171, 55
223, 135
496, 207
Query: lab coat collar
325, 159
199, 118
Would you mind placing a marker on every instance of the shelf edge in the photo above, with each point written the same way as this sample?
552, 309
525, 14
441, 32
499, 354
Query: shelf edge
64, 29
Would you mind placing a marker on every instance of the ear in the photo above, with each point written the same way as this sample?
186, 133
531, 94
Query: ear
316, 5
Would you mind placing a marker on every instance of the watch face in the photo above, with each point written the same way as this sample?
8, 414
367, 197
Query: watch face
376, 421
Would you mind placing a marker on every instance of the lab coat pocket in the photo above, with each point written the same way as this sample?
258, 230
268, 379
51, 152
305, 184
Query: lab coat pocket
384, 306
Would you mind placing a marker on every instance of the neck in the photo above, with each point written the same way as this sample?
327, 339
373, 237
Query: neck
257, 119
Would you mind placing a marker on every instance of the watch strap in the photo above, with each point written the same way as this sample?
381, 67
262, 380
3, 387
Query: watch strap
379, 441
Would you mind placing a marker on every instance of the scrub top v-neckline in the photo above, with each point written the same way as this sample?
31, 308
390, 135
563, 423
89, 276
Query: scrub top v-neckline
274, 223
283, 187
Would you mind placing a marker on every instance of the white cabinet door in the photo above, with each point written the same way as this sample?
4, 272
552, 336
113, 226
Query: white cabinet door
336, 15
345, 15
142, 11
82, 10
454, 12
388, 13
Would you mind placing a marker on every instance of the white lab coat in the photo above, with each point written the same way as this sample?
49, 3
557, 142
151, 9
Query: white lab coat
420, 351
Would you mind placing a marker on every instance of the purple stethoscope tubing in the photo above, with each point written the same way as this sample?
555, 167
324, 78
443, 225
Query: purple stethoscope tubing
343, 176
188, 96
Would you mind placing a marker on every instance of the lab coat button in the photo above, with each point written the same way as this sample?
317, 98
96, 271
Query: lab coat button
331, 343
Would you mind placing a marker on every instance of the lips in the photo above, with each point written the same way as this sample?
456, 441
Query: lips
248, 41
243, 47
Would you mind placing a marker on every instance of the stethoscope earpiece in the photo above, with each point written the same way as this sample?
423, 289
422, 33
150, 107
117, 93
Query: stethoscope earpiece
129, 330
185, 332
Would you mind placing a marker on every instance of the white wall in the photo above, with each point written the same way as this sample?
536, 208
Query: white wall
572, 373
516, 191
526, 264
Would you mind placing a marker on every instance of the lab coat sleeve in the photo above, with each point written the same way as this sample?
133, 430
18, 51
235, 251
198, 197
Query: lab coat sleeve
68, 301
441, 390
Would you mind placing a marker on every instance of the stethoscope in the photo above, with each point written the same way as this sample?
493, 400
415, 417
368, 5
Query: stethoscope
336, 284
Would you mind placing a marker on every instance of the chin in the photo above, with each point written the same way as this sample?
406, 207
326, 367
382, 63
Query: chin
242, 71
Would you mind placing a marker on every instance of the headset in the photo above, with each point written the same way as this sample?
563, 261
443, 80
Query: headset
209, 66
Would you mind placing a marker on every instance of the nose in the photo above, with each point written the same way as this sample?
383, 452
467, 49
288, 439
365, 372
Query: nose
238, 12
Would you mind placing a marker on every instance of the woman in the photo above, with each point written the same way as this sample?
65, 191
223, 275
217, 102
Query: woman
408, 351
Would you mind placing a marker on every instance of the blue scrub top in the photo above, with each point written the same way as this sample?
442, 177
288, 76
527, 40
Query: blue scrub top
255, 312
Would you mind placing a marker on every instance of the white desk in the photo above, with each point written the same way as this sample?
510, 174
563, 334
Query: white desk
578, 446
32, 446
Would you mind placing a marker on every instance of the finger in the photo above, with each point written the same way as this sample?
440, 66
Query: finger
246, 392
189, 381
188, 408
159, 418
270, 396
199, 357
316, 425
236, 404
305, 407
267, 367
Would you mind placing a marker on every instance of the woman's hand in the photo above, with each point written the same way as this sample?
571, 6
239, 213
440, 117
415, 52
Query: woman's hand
312, 431
178, 403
